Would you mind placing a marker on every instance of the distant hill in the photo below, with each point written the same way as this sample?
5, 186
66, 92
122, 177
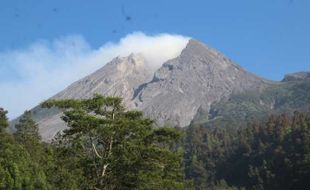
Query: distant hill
240, 109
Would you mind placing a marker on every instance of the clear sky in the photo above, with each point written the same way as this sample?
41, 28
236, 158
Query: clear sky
267, 37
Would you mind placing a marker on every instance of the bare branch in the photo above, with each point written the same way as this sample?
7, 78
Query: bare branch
96, 152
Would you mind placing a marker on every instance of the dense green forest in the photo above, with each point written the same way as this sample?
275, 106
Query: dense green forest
272, 154
106, 147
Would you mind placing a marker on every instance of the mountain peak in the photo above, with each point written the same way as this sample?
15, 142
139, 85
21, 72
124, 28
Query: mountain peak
197, 78
133, 58
196, 47
133, 61
195, 43
117, 78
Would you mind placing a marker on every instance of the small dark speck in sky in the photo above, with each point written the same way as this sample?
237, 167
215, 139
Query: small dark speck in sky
55, 10
16, 13
127, 17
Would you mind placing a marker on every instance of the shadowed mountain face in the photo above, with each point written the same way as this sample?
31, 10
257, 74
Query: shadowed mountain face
174, 94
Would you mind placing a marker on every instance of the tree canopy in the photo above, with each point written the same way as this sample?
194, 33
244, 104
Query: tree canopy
272, 154
120, 149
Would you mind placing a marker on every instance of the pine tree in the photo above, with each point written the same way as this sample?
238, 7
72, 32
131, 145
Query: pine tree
27, 135
27, 129
3, 120
19, 168
120, 149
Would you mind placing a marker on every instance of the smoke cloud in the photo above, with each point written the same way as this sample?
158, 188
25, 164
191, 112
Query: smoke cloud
33, 74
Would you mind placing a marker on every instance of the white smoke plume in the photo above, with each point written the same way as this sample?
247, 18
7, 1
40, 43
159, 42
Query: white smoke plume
31, 75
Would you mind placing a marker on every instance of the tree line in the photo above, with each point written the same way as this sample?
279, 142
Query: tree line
106, 147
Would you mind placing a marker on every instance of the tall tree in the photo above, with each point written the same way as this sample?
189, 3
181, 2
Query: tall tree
27, 135
120, 149
18, 168
27, 129
3, 120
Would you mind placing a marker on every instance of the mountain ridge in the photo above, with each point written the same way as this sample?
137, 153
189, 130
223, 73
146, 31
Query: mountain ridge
198, 69
184, 86
297, 76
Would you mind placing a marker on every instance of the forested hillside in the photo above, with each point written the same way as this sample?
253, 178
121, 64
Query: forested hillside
272, 154
106, 147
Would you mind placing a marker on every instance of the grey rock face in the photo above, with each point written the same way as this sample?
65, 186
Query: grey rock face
120, 77
297, 76
170, 95
197, 78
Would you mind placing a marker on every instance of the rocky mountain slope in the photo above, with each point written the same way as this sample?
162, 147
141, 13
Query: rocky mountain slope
244, 108
120, 77
197, 78
183, 90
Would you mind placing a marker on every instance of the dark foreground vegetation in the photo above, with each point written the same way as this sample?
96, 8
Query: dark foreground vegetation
108, 148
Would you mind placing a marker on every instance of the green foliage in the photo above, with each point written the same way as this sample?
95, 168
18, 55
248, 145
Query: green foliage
104, 147
17, 169
3, 120
63, 169
107, 147
27, 129
118, 149
267, 155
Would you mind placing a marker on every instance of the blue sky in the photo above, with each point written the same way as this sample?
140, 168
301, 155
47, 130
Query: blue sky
267, 37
